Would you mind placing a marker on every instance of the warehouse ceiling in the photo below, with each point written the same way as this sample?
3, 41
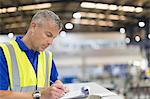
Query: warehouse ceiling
95, 15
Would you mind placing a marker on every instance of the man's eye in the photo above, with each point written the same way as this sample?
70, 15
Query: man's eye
49, 35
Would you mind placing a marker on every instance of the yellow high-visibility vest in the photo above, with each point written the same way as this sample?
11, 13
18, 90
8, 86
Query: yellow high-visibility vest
148, 72
21, 73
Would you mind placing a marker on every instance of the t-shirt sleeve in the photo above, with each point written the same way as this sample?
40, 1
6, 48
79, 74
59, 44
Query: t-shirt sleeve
54, 73
4, 75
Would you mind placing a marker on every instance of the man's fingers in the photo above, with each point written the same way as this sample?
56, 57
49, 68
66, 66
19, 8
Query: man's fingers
56, 91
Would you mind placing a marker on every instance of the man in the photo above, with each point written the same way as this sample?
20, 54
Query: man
25, 68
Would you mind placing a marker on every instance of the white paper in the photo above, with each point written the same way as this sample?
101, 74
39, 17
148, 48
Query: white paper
95, 90
73, 94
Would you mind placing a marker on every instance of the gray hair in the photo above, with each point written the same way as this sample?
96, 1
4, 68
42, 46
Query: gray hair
47, 15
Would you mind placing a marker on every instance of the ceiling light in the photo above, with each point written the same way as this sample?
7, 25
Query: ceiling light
101, 6
35, 6
113, 17
138, 9
149, 36
113, 7
10, 35
92, 22
68, 25
91, 15
101, 16
141, 24
87, 5
75, 21
105, 23
127, 40
3, 10
77, 15
11, 9
109, 23
122, 17
84, 21
122, 30
44, 5
63, 34
83, 14
127, 8
137, 38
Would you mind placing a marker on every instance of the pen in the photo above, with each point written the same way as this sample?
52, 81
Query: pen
51, 82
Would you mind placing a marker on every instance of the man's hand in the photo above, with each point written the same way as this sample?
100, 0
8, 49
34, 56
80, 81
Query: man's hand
55, 91
66, 89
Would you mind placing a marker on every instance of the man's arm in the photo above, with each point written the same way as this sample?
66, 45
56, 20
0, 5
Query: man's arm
56, 91
5, 94
54, 72
4, 75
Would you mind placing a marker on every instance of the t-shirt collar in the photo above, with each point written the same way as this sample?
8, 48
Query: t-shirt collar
22, 45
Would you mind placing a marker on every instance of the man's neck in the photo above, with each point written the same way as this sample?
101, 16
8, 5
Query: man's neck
26, 41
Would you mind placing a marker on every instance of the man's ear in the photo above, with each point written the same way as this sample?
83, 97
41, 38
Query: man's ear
32, 26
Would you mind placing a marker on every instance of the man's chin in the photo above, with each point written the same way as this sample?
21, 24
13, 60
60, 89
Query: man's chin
42, 49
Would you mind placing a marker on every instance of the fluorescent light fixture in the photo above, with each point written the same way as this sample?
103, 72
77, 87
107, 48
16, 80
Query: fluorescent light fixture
87, 5
101, 6
44, 5
122, 17
27, 7
3, 10
113, 17
102, 23
84, 21
101, 16
105, 23
110, 7
91, 15
93, 22
11, 9
35, 6
127, 8
113, 7
83, 14
77, 15
138, 9
109, 23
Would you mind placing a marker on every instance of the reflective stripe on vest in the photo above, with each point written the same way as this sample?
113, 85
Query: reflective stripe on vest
21, 73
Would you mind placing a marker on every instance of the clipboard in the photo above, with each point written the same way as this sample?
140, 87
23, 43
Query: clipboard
94, 90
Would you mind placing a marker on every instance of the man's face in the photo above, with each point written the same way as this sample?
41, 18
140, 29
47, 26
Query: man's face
42, 36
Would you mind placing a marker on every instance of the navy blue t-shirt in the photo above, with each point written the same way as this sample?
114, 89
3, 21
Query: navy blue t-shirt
32, 56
